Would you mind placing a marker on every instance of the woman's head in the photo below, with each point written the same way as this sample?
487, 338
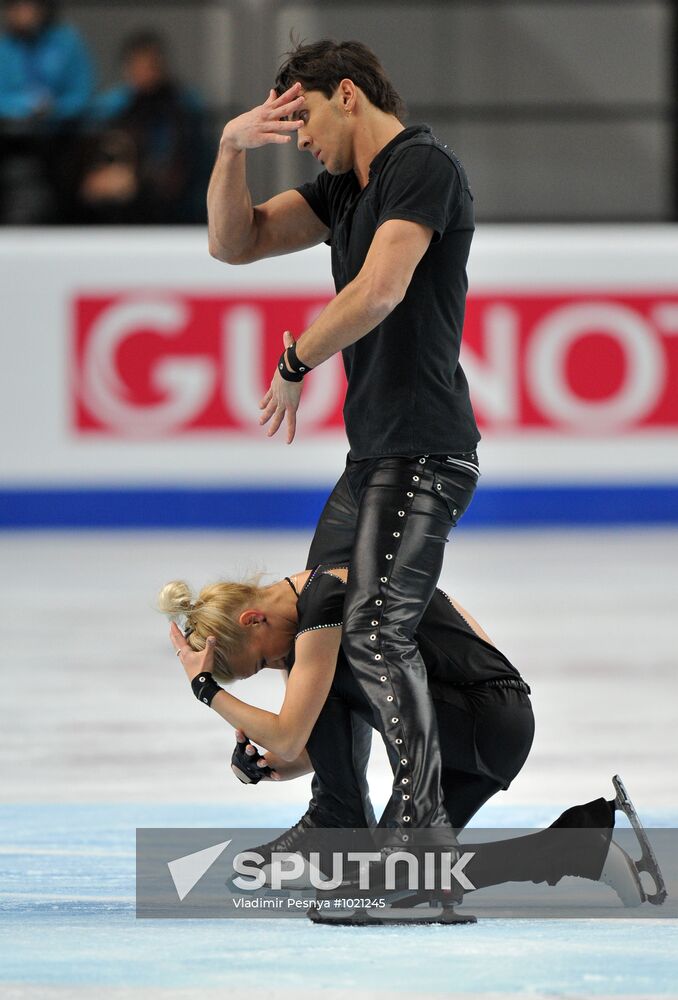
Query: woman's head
215, 611
244, 619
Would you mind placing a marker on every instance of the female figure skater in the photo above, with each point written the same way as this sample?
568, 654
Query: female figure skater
484, 717
483, 711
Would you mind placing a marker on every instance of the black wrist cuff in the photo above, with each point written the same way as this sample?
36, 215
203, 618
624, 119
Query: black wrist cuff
205, 687
298, 368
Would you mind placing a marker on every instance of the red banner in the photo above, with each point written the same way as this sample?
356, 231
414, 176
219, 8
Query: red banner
160, 364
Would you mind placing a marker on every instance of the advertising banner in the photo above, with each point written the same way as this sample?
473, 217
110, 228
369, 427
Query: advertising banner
133, 363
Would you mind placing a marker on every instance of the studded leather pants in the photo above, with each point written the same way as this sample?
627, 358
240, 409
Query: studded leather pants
390, 518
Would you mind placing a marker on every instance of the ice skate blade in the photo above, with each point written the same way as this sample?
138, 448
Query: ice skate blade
648, 861
390, 915
621, 875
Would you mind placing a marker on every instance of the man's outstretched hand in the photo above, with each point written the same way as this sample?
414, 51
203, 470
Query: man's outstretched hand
281, 402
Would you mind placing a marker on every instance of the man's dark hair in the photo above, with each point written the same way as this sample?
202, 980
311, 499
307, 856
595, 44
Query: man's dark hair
323, 65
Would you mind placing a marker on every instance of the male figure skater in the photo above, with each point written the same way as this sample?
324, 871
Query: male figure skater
395, 205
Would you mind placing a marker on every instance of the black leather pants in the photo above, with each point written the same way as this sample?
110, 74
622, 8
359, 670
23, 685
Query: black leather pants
390, 518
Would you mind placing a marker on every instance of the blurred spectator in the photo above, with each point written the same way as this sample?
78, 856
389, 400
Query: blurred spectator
46, 82
148, 164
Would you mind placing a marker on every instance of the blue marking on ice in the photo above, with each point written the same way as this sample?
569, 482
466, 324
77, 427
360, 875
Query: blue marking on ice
67, 918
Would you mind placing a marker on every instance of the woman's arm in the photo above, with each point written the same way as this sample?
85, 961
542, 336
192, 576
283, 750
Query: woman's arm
307, 688
282, 770
286, 770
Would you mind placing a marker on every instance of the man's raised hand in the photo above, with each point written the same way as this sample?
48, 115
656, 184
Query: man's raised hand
267, 123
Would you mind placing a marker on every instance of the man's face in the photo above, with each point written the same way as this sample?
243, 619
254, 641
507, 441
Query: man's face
325, 132
25, 17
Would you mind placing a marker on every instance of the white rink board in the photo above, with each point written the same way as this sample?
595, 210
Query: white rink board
45, 271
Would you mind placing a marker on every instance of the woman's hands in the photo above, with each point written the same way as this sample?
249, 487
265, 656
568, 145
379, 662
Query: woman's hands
260, 761
282, 770
266, 123
194, 663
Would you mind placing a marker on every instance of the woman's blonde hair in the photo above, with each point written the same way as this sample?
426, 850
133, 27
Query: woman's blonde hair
215, 611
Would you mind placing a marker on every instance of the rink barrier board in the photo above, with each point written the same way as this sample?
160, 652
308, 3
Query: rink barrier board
290, 509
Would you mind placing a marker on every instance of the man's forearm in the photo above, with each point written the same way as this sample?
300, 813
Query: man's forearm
230, 215
352, 314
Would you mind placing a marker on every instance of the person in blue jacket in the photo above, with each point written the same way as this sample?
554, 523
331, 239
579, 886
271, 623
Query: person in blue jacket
45, 68
46, 84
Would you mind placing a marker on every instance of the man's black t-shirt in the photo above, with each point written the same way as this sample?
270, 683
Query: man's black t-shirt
407, 393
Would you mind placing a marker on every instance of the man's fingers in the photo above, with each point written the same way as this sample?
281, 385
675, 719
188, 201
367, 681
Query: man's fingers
276, 126
277, 420
276, 110
291, 424
288, 339
266, 400
240, 736
268, 413
286, 110
288, 96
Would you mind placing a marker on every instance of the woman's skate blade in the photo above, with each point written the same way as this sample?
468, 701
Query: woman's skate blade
648, 861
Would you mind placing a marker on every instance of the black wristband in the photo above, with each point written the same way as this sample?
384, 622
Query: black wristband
205, 687
294, 370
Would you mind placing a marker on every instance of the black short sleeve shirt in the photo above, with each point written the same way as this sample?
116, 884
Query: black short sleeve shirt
407, 393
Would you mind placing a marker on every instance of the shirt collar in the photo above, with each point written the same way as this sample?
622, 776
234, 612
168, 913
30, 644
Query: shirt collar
383, 154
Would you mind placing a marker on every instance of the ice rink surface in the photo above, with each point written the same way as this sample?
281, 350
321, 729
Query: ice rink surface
101, 734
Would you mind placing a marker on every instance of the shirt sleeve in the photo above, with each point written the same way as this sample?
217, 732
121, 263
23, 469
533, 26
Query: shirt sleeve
321, 604
421, 184
316, 194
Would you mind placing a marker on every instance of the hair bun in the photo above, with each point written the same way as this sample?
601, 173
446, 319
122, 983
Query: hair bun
175, 599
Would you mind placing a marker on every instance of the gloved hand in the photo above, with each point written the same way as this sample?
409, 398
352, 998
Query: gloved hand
244, 764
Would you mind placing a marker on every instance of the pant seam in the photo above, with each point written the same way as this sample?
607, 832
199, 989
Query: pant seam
404, 753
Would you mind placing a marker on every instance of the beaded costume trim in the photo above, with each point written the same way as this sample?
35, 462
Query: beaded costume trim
312, 628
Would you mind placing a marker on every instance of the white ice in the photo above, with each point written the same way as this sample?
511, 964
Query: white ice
96, 707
